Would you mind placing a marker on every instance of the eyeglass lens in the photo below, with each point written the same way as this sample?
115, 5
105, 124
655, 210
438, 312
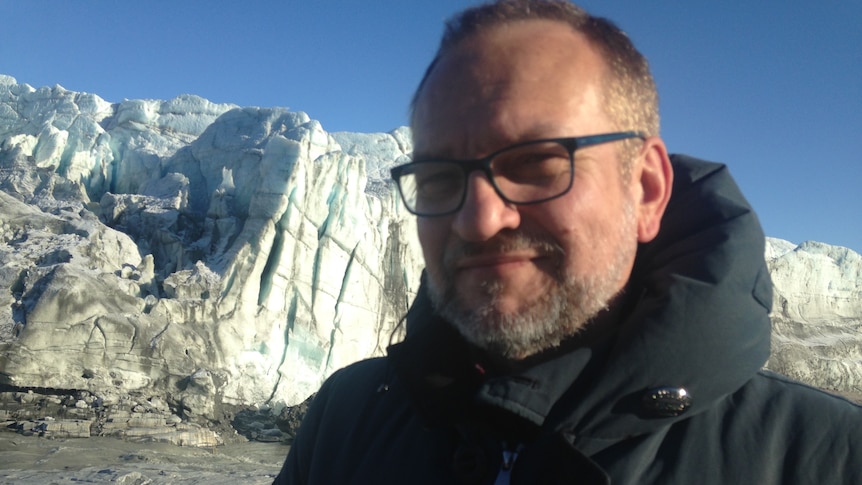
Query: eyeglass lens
522, 174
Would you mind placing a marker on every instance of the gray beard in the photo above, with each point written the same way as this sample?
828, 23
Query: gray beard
546, 322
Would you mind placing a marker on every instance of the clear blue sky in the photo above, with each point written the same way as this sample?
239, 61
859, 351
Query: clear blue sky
772, 88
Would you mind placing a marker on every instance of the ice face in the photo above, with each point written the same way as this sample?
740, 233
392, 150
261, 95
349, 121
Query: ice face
148, 240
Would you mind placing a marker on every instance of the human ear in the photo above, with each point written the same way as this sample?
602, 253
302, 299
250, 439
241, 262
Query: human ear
654, 180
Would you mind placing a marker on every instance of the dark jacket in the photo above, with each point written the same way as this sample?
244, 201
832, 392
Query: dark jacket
673, 394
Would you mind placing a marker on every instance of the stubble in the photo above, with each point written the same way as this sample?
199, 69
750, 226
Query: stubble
571, 303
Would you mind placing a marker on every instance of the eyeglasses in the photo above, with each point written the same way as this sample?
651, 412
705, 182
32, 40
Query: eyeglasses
529, 172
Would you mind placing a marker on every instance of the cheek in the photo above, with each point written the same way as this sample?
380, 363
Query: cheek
432, 233
556, 221
574, 224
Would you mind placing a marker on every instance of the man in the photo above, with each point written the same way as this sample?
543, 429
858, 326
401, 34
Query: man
575, 323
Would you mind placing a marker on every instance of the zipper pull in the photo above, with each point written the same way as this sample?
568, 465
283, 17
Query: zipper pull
509, 457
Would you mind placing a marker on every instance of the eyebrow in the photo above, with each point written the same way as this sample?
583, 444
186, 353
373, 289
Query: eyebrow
539, 131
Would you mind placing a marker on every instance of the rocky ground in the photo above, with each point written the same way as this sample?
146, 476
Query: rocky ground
51, 437
56, 415
853, 396
40, 460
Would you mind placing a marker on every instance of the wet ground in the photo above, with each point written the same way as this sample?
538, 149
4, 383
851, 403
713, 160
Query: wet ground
34, 460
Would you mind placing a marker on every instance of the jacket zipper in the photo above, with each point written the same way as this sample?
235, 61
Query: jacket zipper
509, 457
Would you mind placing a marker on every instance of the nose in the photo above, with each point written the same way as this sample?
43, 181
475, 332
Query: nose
484, 213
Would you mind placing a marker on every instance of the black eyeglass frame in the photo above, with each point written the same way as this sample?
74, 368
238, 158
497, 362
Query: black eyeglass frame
484, 164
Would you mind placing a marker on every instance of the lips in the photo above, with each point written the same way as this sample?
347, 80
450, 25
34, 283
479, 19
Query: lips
495, 260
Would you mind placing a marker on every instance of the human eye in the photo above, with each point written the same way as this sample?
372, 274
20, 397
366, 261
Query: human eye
437, 180
534, 164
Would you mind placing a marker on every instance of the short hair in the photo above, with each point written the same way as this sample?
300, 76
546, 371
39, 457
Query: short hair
631, 99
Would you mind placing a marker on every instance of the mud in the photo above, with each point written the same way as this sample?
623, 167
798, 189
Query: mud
38, 460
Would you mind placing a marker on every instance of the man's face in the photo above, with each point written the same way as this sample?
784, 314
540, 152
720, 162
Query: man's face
517, 279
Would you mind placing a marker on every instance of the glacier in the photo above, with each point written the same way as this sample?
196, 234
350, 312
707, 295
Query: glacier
210, 256
817, 314
207, 253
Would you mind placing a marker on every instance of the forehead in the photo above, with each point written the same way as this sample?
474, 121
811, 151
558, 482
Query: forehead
528, 79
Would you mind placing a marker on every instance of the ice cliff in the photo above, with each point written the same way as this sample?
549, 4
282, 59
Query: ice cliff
212, 255
206, 253
817, 314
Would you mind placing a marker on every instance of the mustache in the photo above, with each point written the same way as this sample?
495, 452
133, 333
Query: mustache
503, 242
